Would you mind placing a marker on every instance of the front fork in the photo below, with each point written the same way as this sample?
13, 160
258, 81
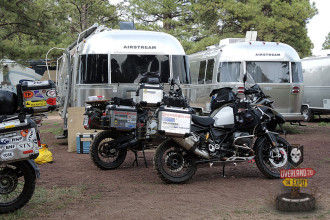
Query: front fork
271, 137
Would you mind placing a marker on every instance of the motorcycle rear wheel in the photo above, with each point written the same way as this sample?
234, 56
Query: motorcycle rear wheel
103, 152
174, 164
267, 163
17, 184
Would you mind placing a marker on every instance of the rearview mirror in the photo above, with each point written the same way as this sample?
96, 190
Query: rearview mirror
244, 78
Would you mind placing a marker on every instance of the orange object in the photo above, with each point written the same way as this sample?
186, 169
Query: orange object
28, 94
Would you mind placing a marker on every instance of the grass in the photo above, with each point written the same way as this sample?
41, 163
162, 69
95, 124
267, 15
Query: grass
55, 131
323, 124
45, 201
292, 129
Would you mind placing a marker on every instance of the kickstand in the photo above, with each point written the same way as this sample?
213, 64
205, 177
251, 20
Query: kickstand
144, 157
136, 158
223, 170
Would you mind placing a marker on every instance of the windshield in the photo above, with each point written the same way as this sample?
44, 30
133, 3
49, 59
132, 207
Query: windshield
129, 68
268, 72
229, 72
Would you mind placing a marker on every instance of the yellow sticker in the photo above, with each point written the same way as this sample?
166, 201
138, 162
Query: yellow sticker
35, 104
295, 182
10, 126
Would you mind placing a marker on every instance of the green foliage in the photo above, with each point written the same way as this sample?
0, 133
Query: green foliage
29, 28
326, 44
275, 20
173, 17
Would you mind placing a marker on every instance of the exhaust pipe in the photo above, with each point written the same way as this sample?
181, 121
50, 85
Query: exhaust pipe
188, 144
129, 144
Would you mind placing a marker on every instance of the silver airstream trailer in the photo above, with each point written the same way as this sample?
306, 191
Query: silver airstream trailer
109, 63
316, 98
276, 67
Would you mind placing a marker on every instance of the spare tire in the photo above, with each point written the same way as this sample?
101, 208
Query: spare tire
304, 202
8, 102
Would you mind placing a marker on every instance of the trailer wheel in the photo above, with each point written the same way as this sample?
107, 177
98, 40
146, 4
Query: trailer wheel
307, 113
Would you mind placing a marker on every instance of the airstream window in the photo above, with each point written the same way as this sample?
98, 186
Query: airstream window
201, 73
93, 68
229, 72
269, 72
209, 71
180, 69
296, 72
194, 69
129, 68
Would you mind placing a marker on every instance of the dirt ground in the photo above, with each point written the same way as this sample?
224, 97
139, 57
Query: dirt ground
138, 193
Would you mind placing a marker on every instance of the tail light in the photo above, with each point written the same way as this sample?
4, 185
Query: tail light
295, 89
240, 90
27, 151
38, 139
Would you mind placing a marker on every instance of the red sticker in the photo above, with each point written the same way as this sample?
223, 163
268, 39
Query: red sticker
28, 94
51, 101
24, 133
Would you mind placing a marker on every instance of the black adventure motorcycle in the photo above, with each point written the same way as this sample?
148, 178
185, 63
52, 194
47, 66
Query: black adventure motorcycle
236, 131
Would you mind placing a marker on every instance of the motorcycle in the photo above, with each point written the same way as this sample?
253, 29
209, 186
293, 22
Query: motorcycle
21, 115
126, 125
19, 145
236, 131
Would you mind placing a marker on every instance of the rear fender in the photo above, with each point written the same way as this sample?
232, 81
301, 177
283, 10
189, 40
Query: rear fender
34, 167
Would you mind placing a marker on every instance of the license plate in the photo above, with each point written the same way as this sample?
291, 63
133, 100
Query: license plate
35, 104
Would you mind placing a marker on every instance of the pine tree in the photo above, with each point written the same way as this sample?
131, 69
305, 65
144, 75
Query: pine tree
326, 44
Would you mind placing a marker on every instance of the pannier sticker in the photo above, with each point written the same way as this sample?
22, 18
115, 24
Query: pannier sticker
7, 155
51, 93
10, 146
38, 94
35, 104
33, 83
4, 141
25, 145
28, 94
25, 132
8, 135
51, 101
31, 136
175, 122
17, 139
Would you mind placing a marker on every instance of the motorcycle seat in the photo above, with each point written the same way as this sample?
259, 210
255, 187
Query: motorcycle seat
202, 120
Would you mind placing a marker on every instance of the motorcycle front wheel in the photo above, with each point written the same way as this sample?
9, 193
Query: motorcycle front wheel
174, 164
271, 160
17, 184
103, 152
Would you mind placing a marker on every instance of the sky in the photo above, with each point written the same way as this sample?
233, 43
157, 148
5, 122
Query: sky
319, 26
